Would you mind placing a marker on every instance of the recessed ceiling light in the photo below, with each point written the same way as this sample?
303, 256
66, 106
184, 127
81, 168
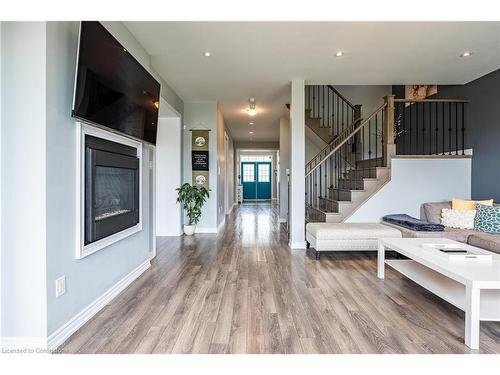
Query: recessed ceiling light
206, 54
466, 54
250, 132
339, 54
250, 123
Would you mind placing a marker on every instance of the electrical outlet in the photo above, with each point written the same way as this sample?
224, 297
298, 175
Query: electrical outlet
60, 286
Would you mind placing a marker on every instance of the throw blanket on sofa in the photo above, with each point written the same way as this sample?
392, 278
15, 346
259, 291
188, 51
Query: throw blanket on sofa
413, 223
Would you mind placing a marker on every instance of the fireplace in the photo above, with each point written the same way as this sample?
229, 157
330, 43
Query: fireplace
111, 188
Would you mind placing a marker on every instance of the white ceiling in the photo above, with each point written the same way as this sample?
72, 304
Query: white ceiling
260, 58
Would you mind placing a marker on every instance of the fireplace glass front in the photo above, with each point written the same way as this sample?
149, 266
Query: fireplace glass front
111, 188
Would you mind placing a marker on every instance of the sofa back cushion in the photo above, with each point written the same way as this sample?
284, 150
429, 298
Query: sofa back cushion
462, 219
467, 204
487, 219
432, 211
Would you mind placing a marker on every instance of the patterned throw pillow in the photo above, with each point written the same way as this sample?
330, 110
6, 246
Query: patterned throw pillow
487, 219
463, 219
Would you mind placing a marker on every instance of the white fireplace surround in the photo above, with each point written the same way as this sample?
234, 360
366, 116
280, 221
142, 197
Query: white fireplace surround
83, 129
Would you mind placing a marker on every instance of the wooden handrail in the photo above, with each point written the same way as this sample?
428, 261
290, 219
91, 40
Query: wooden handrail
341, 96
432, 100
352, 134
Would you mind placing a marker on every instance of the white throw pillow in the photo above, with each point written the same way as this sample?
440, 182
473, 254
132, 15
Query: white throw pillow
462, 219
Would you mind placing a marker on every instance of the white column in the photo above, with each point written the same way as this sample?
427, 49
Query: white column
297, 168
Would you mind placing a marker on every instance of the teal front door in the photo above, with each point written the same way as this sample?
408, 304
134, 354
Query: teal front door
256, 180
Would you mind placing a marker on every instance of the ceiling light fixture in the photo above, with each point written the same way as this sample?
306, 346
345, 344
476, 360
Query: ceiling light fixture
339, 54
250, 132
250, 123
466, 54
206, 54
251, 111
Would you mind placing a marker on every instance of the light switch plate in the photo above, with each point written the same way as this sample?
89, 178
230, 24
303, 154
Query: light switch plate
60, 286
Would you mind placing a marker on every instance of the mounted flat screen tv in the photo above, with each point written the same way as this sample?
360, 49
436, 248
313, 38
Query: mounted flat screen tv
112, 89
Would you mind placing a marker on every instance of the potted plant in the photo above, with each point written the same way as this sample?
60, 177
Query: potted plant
192, 199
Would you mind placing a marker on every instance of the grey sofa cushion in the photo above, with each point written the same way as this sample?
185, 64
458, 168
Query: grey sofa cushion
487, 241
432, 211
460, 235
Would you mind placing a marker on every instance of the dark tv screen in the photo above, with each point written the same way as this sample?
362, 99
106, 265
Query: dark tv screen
112, 89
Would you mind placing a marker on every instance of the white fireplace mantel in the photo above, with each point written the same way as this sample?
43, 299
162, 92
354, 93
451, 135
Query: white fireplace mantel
83, 129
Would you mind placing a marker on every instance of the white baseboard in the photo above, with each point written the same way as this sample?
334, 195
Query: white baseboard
64, 332
297, 244
206, 230
221, 225
233, 206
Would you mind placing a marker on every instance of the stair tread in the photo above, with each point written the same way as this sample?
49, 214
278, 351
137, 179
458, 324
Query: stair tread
334, 200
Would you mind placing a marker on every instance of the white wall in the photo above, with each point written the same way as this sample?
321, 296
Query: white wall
202, 115
414, 182
284, 165
168, 176
297, 164
223, 161
23, 157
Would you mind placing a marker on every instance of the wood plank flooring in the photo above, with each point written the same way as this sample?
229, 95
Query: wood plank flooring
245, 291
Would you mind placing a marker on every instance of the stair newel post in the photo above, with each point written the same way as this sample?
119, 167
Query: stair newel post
389, 147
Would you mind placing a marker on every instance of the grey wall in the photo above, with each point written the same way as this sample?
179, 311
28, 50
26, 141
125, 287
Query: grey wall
482, 130
87, 278
39, 163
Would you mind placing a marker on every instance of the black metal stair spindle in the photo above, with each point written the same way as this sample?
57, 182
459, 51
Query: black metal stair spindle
416, 127
456, 128
463, 128
449, 129
437, 127
442, 141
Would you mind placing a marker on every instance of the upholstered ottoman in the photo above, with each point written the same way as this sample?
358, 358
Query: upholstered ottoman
325, 237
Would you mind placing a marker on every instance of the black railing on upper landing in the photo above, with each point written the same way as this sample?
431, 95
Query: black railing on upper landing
430, 126
330, 107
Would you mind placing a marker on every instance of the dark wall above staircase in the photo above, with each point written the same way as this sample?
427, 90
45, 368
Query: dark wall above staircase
483, 129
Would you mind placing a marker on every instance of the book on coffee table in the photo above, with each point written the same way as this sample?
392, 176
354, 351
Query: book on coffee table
457, 252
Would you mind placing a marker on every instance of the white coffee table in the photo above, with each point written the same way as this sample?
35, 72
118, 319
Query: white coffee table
472, 286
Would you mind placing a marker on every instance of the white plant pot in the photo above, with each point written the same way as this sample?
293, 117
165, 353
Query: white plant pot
189, 230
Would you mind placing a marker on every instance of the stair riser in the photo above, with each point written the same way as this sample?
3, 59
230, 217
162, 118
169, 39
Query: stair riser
369, 163
327, 205
361, 173
351, 184
340, 195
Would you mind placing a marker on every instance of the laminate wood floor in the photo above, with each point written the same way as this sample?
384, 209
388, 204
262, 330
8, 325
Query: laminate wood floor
246, 291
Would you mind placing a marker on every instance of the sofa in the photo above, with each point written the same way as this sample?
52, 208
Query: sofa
431, 212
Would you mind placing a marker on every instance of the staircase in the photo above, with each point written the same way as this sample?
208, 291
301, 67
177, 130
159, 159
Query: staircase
355, 164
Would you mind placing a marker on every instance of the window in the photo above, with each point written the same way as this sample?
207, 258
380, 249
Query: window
248, 173
256, 158
264, 173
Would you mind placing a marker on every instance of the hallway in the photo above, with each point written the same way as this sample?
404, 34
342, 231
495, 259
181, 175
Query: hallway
245, 291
